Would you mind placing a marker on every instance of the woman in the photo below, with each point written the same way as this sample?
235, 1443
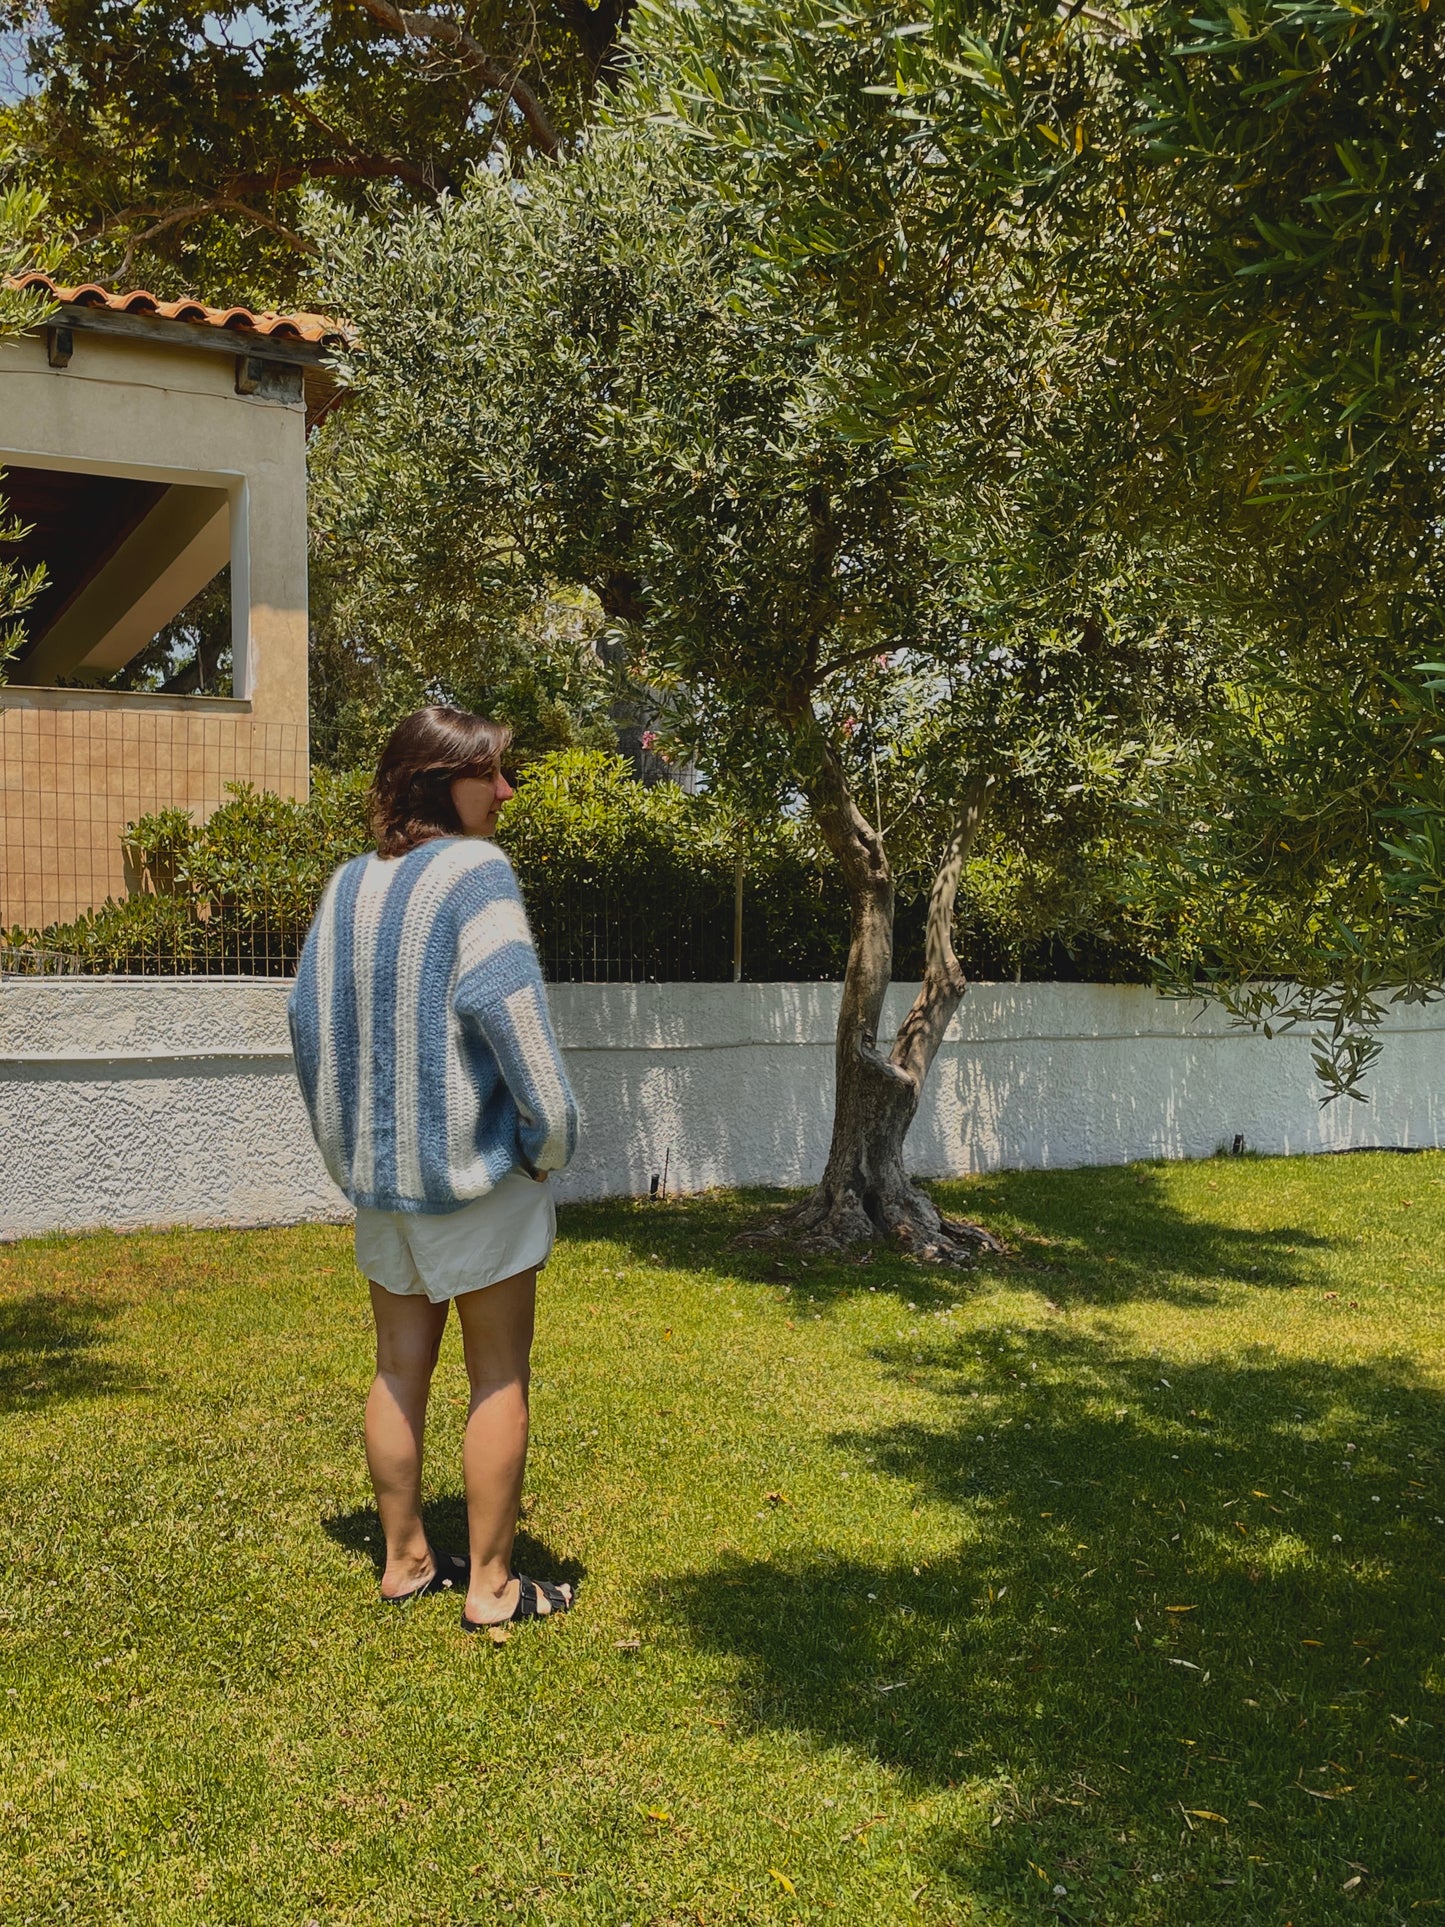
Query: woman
439, 1100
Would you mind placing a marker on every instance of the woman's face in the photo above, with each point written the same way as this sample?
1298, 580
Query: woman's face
479, 800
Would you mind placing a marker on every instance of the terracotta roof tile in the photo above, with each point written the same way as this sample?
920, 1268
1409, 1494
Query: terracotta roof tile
317, 328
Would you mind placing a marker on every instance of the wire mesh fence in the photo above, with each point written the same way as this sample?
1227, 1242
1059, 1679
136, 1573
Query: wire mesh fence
583, 935
167, 935
599, 937
21, 959
75, 779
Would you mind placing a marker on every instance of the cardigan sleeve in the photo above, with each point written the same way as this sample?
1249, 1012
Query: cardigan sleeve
501, 996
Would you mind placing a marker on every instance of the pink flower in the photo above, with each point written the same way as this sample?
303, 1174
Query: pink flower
884, 661
850, 725
649, 739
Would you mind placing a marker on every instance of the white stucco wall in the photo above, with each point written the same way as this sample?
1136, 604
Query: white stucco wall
172, 1101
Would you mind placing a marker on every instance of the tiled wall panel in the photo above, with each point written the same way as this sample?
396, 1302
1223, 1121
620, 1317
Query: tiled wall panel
72, 779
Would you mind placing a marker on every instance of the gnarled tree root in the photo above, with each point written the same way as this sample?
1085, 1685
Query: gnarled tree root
835, 1222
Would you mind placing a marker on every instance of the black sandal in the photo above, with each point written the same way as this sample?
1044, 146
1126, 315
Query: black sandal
526, 1606
451, 1571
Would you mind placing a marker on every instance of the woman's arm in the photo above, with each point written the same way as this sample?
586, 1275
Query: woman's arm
501, 996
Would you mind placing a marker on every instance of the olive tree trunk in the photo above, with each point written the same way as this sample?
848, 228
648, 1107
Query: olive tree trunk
866, 1193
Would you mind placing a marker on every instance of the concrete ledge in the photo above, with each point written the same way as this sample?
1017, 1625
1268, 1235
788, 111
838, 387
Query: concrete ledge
144, 1101
143, 702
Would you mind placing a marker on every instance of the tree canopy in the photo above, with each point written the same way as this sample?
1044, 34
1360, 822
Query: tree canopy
604, 381
927, 402
178, 141
1236, 212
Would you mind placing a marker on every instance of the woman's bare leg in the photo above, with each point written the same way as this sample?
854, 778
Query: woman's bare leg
408, 1337
497, 1336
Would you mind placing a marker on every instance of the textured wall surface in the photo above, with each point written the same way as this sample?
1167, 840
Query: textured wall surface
172, 1101
77, 767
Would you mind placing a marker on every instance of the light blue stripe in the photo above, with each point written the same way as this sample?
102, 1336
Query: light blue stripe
345, 1039
305, 1023
394, 919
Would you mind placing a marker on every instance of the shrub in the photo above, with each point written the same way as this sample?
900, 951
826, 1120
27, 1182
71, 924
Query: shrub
624, 882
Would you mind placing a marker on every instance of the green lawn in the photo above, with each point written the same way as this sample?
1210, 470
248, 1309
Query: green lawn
1103, 1585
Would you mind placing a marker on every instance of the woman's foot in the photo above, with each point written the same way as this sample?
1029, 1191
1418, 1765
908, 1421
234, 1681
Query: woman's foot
519, 1598
421, 1575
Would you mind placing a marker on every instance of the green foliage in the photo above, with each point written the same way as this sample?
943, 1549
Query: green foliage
627, 881
21, 211
1307, 187
180, 140
931, 391
1212, 232
233, 896
390, 632
623, 882
601, 382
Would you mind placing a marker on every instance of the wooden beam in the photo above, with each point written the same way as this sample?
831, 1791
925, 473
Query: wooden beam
190, 334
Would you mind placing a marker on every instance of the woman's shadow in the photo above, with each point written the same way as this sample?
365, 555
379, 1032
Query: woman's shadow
445, 1517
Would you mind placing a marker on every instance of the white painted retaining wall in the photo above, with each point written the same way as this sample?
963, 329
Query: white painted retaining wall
141, 1101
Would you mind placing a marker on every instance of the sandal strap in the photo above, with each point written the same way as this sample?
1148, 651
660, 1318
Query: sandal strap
530, 1592
527, 1603
526, 1606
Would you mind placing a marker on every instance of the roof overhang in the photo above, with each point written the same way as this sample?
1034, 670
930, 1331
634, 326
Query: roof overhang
258, 341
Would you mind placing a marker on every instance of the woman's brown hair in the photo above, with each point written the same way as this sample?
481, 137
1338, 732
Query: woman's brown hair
411, 795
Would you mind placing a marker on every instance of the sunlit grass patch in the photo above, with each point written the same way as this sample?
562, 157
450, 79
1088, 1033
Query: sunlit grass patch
1101, 1584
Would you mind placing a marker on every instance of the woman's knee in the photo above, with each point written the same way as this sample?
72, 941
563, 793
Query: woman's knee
491, 1378
410, 1361
496, 1326
408, 1336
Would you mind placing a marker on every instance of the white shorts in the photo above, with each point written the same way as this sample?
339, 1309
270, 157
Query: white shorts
439, 1255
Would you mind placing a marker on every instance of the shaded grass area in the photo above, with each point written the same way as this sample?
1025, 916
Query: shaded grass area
1102, 1585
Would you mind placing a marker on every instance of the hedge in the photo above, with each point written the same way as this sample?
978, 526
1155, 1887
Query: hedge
623, 883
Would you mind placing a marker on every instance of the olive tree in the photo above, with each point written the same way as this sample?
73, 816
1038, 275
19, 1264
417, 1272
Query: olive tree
603, 380
1237, 210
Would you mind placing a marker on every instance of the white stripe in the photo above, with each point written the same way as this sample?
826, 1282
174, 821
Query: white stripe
529, 1018
328, 1090
489, 931
377, 879
434, 885
466, 1172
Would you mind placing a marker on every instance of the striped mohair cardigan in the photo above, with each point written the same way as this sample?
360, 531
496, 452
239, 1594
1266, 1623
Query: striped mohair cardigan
423, 1043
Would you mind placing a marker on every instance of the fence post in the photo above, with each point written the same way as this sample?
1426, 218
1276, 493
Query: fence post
738, 919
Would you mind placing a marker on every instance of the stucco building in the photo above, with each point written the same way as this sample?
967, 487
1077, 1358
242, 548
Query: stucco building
149, 445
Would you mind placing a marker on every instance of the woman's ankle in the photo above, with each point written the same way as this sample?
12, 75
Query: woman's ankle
407, 1565
491, 1580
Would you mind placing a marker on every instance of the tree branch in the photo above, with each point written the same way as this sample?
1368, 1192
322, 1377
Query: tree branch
432, 26
366, 167
941, 992
405, 170
193, 211
847, 659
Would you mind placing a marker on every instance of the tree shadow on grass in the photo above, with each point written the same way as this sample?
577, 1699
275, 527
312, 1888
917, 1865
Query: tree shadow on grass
51, 1348
1106, 1234
445, 1516
1097, 1236
1187, 1647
